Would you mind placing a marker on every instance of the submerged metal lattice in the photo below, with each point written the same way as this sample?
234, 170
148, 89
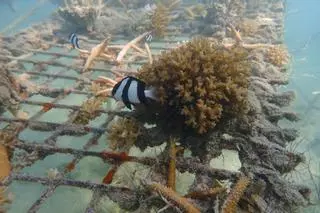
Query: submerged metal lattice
60, 70
56, 65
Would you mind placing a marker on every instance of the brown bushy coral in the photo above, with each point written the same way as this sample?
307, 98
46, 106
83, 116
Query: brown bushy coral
202, 81
160, 20
278, 55
89, 110
123, 133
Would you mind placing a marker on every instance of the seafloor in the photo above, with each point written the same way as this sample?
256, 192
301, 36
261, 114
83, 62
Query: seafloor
64, 148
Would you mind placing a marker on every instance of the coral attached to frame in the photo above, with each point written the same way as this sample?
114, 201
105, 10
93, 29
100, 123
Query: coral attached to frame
200, 82
81, 13
123, 133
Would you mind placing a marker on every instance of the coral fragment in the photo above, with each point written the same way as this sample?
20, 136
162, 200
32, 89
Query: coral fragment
173, 196
230, 205
202, 81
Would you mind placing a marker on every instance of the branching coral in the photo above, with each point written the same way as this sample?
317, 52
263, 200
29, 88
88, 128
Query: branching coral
120, 137
7, 138
213, 192
89, 110
172, 164
160, 20
81, 13
235, 195
194, 11
173, 196
4, 200
200, 81
278, 55
4, 161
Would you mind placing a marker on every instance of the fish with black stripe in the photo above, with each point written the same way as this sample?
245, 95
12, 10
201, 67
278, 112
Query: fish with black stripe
72, 39
148, 38
132, 91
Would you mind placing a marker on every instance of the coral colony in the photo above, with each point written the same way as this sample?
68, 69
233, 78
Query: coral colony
214, 92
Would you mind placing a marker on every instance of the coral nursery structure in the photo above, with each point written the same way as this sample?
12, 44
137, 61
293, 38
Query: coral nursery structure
215, 94
81, 14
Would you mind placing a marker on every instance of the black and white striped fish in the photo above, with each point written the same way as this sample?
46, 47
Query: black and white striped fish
148, 38
73, 39
132, 91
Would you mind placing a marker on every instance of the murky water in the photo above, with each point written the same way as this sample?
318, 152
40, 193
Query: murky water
301, 36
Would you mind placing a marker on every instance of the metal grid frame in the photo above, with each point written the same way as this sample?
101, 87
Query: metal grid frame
49, 146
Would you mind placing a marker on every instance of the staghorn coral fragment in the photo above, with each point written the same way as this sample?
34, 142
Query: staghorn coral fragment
89, 110
95, 52
202, 195
200, 82
172, 164
173, 196
278, 55
4, 199
7, 140
4, 162
149, 53
160, 20
230, 205
123, 133
130, 44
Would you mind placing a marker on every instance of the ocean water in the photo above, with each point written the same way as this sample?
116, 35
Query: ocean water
302, 37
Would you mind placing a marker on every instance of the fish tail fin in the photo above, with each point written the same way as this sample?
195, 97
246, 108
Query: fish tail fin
151, 93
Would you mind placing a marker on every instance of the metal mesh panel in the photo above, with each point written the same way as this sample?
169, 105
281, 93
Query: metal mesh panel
66, 90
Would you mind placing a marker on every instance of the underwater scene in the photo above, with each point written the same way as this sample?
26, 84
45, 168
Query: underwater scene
159, 106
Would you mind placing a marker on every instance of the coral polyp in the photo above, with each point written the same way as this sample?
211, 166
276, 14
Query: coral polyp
201, 81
